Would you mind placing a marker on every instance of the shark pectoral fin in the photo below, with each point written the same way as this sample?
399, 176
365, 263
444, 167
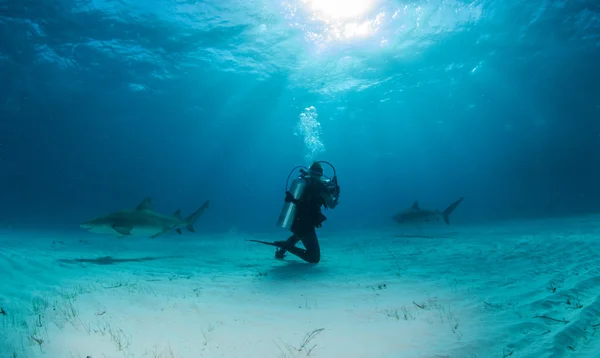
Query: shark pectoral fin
178, 230
123, 230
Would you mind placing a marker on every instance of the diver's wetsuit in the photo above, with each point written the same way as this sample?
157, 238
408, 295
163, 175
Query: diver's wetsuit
308, 217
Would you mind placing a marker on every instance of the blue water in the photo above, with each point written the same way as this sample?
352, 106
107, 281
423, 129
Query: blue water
104, 103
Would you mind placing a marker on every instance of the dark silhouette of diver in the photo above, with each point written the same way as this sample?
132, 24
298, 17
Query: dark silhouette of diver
308, 216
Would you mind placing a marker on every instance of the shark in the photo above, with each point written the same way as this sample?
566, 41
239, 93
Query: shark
416, 215
142, 221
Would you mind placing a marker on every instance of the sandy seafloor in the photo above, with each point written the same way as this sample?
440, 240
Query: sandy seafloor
512, 289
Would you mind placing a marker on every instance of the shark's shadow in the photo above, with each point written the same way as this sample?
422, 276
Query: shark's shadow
109, 260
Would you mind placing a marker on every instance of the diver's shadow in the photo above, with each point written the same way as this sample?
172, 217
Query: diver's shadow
293, 269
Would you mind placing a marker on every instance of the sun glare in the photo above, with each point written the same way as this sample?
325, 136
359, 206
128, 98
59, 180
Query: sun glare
339, 9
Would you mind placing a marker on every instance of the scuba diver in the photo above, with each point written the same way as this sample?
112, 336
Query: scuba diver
301, 212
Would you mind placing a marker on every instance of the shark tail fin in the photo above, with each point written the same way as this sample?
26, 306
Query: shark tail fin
190, 220
450, 209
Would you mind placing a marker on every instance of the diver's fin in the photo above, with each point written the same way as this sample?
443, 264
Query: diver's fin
145, 205
265, 242
177, 214
449, 210
192, 218
122, 229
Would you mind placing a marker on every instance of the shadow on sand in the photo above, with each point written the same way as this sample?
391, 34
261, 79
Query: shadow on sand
421, 236
296, 270
109, 260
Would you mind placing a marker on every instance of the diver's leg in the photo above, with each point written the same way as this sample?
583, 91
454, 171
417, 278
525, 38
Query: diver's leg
293, 240
312, 251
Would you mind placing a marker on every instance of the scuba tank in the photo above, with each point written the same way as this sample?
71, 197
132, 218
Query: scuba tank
288, 211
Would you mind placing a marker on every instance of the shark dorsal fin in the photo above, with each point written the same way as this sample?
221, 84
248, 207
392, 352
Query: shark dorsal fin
415, 205
177, 214
145, 205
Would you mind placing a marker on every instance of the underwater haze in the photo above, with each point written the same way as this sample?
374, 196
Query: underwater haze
104, 103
